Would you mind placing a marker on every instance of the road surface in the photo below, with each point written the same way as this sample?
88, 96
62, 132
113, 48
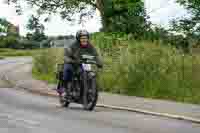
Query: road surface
22, 112
14, 60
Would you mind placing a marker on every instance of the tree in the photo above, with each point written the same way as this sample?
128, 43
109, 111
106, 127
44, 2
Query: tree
9, 40
34, 24
189, 26
29, 36
37, 28
127, 16
117, 15
4, 25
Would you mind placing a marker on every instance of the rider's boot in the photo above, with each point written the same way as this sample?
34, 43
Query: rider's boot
60, 89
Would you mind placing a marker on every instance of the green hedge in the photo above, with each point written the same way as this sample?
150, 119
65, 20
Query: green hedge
138, 68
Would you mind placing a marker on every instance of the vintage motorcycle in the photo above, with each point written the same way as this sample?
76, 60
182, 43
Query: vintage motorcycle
83, 88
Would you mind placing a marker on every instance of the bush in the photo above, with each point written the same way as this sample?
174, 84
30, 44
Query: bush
136, 68
148, 70
4, 50
45, 62
27, 44
10, 42
2, 43
15, 43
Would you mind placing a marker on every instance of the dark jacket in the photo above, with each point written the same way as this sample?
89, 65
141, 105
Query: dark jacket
73, 52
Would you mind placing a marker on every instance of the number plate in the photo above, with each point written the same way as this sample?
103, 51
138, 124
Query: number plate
87, 67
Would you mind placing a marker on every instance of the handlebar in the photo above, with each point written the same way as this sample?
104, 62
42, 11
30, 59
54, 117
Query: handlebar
87, 61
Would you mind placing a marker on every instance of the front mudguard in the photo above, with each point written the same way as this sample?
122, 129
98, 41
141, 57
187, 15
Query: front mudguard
91, 75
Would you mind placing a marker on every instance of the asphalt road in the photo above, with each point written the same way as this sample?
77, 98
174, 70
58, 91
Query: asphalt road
14, 60
22, 112
9, 64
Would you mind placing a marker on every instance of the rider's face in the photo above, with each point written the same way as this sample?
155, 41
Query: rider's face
84, 40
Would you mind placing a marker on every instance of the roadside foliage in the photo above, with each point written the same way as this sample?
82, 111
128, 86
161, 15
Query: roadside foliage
136, 68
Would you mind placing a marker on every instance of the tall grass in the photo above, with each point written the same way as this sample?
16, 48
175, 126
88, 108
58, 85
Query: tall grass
45, 64
13, 52
136, 68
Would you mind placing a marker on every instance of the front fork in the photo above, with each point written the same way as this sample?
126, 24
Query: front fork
85, 87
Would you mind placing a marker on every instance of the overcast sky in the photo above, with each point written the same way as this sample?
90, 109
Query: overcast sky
161, 12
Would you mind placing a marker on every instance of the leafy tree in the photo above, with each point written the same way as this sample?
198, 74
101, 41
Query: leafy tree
127, 16
2, 42
11, 42
3, 25
117, 15
34, 24
37, 28
190, 26
29, 36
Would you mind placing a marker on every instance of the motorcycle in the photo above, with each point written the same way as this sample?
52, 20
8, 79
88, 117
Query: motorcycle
83, 87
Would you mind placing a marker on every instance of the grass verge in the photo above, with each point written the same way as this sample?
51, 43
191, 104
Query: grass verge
13, 52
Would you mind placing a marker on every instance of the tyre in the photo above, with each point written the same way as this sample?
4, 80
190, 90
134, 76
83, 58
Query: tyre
90, 96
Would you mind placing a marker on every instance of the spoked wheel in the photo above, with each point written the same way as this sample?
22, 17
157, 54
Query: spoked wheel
90, 95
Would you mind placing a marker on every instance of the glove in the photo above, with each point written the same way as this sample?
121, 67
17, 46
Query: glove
75, 61
100, 66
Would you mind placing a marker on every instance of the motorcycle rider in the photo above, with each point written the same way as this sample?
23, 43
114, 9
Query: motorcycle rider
73, 52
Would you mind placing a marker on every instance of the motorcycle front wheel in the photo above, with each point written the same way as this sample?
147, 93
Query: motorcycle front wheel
90, 96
